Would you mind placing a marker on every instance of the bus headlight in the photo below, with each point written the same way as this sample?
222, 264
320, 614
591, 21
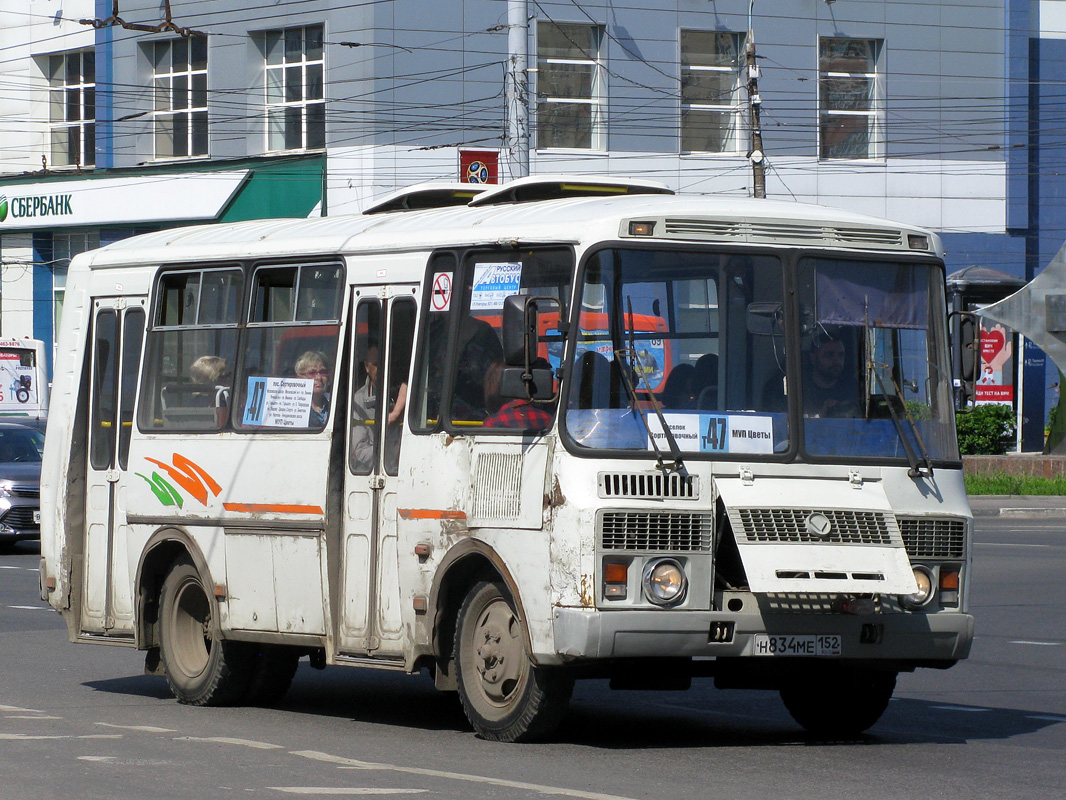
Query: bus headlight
664, 582
924, 577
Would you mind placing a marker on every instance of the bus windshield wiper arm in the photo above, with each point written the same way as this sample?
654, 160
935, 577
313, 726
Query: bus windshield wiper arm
629, 357
919, 466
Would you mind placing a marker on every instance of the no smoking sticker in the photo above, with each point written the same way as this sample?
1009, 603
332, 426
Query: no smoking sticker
441, 300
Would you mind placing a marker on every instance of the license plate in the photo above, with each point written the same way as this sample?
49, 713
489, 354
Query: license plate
36, 516
814, 645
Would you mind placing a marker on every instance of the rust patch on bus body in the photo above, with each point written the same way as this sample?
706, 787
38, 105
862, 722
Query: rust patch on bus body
586, 591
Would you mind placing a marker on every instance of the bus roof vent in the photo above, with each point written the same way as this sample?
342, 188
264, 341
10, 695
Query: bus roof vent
553, 187
426, 195
648, 485
781, 232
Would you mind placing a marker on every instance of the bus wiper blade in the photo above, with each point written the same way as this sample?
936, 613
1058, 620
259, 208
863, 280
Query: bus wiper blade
629, 357
918, 466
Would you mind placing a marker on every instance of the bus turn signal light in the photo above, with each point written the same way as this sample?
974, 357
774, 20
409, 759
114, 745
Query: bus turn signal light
615, 581
949, 587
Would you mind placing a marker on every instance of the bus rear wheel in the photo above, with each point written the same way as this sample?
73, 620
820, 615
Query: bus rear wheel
201, 669
504, 695
838, 702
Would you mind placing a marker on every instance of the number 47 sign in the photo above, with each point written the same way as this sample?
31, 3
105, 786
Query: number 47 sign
717, 433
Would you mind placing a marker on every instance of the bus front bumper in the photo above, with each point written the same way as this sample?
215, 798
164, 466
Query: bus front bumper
941, 638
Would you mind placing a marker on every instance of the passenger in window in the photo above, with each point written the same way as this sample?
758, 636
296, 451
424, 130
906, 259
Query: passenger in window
364, 413
312, 365
680, 391
212, 372
479, 348
521, 413
827, 392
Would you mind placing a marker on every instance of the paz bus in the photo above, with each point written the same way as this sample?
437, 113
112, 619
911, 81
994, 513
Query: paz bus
514, 437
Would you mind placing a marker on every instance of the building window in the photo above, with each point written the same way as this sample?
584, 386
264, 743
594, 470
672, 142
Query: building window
710, 91
72, 108
296, 106
180, 79
850, 98
570, 86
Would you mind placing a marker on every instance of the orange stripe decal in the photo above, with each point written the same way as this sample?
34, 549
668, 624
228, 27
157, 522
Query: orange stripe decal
277, 508
430, 513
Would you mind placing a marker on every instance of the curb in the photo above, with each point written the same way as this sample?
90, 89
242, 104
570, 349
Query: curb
1020, 513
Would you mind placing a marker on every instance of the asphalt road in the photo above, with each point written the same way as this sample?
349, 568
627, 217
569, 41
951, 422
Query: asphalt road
83, 722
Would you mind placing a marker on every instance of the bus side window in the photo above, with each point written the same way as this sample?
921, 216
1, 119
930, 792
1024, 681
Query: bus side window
192, 346
290, 348
425, 399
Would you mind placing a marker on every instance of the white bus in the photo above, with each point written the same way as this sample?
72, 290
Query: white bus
23, 379
514, 437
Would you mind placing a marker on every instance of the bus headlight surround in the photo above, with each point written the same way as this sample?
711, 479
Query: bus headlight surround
924, 577
664, 581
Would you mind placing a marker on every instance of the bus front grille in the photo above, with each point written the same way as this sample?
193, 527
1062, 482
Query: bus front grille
927, 537
654, 530
648, 485
789, 526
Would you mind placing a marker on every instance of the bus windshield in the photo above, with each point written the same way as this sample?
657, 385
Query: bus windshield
707, 337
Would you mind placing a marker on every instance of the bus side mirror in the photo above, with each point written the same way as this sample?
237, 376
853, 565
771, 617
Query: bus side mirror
519, 330
965, 343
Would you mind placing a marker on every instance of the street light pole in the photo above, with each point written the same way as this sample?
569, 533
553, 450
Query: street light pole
517, 93
755, 151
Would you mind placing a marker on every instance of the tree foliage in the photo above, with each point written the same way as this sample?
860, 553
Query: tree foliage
985, 430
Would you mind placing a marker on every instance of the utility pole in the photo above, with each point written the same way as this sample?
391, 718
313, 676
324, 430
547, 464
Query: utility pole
517, 93
755, 151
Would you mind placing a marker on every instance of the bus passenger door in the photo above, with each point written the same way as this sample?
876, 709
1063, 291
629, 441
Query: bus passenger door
118, 331
382, 340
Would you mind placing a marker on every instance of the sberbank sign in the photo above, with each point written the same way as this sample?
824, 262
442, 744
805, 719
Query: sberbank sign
42, 205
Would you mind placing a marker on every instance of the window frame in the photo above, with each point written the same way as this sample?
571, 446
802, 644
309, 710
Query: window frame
874, 113
735, 108
167, 87
596, 102
60, 124
304, 105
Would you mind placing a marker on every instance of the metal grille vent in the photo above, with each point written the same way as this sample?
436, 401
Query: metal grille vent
789, 525
802, 603
20, 518
652, 530
933, 538
26, 491
649, 485
780, 231
497, 486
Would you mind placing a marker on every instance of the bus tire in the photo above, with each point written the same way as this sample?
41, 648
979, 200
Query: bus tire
839, 702
272, 674
201, 669
504, 695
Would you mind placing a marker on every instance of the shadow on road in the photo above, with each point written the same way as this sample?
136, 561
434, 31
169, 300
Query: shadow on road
601, 718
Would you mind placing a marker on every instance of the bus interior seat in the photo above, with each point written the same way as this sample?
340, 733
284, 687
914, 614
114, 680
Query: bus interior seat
706, 381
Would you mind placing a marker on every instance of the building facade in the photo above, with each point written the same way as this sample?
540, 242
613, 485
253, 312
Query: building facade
938, 113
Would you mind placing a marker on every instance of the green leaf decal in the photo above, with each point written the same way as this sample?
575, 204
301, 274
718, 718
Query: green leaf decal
163, 490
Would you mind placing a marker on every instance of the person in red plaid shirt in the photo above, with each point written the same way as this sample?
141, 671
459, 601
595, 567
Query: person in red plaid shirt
521, 414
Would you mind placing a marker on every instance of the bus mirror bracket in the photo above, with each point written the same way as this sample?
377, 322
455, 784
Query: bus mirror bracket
524, 374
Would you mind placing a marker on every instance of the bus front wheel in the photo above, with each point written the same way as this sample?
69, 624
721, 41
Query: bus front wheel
838, 702
200, 667
504, 695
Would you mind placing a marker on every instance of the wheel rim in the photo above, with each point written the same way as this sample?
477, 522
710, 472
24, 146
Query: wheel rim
191, 626
498, 654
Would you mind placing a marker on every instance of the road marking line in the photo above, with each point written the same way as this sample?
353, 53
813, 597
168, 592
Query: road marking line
229, 740
1039, 644
28, 716
100, 736
32, 608
19, 737
16, 708
143, 728
339, 791
97, 758
1046, 717
961, 708
351, 763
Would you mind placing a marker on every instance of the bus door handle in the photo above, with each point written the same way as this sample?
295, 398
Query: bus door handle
377, 482
112, 475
